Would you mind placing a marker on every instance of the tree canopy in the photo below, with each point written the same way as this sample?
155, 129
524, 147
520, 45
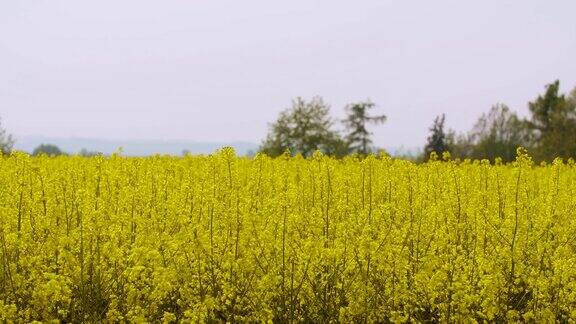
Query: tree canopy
553, 123
496, 134
303, 128
47, 149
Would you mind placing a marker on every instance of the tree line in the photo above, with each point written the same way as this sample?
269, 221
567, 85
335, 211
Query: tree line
307, 126
548, 132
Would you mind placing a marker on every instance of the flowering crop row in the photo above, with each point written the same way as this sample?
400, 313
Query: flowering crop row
224, 238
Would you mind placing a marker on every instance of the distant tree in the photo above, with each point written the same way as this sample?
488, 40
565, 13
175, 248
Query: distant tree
545, 107
358, 138
87, 153
335, 145
553, 123
48, 149
498, 134
6, 140
460, 144
438, 139
303, 128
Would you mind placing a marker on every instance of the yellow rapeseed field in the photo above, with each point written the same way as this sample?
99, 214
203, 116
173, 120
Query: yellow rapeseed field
291, 239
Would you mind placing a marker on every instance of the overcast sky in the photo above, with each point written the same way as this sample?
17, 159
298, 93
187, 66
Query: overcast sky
222, 70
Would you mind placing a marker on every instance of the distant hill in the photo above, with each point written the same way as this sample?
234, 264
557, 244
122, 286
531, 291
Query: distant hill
132, 147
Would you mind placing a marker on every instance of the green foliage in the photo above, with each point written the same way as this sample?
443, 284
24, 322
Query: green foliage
549, 132
496, 134
553, 123
358, 138
6, 140
47, 149
304, 128
438, 139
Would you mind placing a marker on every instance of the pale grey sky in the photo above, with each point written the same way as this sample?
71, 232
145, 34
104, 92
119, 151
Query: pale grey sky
222, 70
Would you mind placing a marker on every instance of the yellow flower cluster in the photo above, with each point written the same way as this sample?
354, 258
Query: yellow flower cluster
290, 239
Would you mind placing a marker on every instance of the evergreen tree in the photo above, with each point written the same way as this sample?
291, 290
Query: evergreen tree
358, 137
438, 139
553, 124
